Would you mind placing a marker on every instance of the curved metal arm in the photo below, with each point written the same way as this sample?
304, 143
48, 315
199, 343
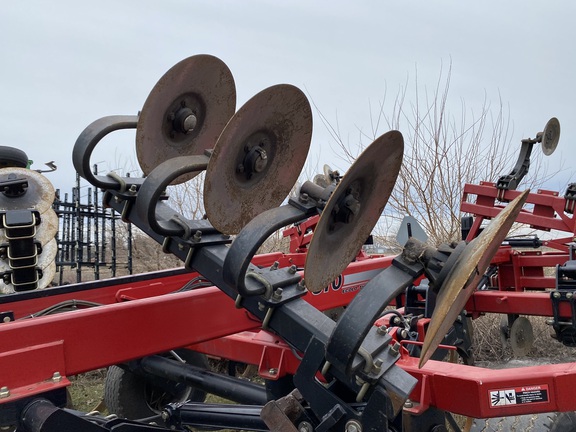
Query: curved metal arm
359, 316
88, 139
155, 185
249, 240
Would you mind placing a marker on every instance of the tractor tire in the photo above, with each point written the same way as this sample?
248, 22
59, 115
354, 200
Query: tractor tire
132, 396
12, 157
548, 422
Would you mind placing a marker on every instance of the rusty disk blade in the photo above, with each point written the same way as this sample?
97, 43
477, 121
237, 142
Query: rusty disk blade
185, 112
258, 157
466, 274
38, 196
353, 209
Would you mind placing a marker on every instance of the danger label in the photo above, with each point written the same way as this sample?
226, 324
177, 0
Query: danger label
519, 396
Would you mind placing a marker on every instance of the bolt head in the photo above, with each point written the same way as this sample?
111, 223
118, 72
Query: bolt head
353, 426
190, 123
278, 293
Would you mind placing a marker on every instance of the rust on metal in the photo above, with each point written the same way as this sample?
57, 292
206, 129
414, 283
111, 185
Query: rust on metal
258, 157
353, 209
185, 112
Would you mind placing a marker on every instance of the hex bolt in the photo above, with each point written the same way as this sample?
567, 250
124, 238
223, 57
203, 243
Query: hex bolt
278, 294
4, 392
197, 236
569, 295
165, 416
408, 404
56, 377
275, 265
272, 371
353, 426
378, 365
305, 427
556, 295
133, 189
292, 269
394, 349
382, 330
304, 197
302, 285
261, 307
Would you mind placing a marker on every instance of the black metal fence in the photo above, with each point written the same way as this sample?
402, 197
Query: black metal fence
89, 236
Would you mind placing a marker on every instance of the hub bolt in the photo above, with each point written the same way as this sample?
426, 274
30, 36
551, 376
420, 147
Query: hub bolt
353, 426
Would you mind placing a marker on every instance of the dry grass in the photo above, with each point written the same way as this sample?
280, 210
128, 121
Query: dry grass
488, 345
87, 391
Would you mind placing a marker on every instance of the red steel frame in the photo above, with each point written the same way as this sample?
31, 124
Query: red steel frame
138, 319
521, 279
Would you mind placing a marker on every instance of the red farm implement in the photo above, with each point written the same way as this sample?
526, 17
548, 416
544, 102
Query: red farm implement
378, 366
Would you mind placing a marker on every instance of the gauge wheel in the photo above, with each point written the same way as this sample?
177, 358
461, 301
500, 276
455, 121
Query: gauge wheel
12, 157
549, 422
132, 396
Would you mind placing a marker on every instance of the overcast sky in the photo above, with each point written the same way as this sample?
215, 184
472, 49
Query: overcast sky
68, 63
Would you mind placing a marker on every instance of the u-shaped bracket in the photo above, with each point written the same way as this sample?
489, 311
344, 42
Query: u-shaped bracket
247, 243
155, 185
88, 140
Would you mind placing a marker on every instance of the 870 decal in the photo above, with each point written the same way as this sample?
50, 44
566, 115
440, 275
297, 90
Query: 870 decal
351, 283
334, 286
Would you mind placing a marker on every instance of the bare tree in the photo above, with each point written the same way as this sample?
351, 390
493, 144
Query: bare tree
442, 152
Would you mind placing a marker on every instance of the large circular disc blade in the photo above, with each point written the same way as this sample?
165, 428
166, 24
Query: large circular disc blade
352, 210
185, 112
258, 157
466, 274
521, 336
550, 136
45, 231
38, 196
